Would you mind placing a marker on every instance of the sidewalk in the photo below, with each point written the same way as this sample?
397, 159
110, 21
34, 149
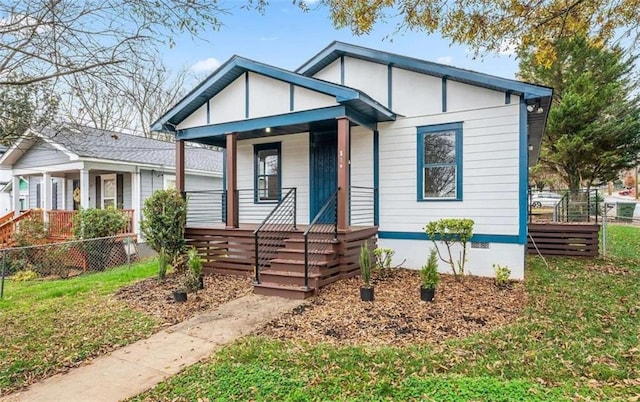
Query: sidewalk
133, 369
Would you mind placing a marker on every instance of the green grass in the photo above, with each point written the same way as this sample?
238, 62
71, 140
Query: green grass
577, 338
623, 242
50, 325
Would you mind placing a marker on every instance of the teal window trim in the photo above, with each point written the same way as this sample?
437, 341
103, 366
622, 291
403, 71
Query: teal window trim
424, 131
256, 177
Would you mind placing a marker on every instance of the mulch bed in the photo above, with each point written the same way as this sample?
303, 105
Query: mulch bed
397, 316
155, 298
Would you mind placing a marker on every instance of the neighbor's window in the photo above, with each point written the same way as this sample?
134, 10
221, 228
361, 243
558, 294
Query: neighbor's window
169, 182
440, 162
267, 172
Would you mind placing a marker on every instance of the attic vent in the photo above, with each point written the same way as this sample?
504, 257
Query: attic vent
476, 244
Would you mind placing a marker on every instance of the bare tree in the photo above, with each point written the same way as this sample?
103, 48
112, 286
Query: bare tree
45, 39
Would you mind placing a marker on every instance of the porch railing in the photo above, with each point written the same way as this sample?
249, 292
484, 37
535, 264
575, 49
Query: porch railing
362, 202
60, 223
579, 206
321, 234
8, 228
206, 207
269, 237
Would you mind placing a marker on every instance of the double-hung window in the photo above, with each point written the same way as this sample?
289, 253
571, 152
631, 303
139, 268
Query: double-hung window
440, 162
268, 171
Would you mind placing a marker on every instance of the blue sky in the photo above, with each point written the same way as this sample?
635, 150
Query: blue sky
286, 36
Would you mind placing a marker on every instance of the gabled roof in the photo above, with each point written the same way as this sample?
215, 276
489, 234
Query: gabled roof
91, 143
336, 49
236, 66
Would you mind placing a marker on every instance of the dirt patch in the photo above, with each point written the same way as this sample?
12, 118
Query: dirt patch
155, 298
397, 316
607, 268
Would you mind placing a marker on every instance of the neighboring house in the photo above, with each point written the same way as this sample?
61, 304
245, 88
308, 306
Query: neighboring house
73, 167
402, 141
5, 186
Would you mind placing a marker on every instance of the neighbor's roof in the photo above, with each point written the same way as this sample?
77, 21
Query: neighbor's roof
87, 142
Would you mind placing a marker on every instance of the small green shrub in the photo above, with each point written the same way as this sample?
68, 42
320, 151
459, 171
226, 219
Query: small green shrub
503, 273
451, 232
365, 264
194, 262
163, 223
429, 277
30, 231
92, 223
25, 276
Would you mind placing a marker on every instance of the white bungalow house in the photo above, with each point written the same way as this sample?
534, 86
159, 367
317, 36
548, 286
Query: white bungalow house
384, 142
72, 167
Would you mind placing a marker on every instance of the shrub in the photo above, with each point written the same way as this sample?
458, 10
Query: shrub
30, 231
429, 277
450, 232
163, 223
502, 275
191, 282
365, 264
92, 223
25, 276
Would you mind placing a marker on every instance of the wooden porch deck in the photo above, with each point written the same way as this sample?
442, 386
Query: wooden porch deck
232, 252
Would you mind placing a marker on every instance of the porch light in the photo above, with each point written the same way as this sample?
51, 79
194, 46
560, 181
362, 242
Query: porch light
267, 130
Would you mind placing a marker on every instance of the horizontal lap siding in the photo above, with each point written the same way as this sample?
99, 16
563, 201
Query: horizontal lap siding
39, 155
295, 173
361, 206
490, 172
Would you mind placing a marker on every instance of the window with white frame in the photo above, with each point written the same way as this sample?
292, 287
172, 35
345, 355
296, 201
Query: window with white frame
440, 162
109, 190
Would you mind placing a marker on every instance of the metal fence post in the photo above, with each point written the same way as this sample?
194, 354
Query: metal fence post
4, 272
604, 231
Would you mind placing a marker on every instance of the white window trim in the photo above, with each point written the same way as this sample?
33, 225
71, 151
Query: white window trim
104, 178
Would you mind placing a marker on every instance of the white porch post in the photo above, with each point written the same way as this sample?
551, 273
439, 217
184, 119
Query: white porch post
64, 192
16, 195
84, 188
46, 194
136, 203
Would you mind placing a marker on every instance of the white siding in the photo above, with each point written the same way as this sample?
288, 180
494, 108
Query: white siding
267, 96
479, 261
330, 73
305, 99
229, 104
465, 97
371, 78
490, 173
361, 199
295, 173
415, 94
197, 118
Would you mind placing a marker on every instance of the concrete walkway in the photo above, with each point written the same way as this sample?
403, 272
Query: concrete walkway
135, 368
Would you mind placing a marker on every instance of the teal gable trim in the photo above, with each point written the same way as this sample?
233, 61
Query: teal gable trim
432, 130
444, 94
246, 95
340, 49
480, 238
237, 66
390, 86
376, 178
291, 100
523, 173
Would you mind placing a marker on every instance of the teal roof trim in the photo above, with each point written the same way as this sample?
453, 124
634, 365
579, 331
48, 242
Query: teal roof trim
237, 66
337, 50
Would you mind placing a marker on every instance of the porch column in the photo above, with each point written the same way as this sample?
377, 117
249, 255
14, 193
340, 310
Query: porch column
16, 195
233, 220
84, 188
46, 196
343, 173
180, 166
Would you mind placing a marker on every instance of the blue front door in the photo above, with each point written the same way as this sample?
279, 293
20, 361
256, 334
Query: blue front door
323, 159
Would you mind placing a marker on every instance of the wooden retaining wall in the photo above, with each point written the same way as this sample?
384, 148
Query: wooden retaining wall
579, 240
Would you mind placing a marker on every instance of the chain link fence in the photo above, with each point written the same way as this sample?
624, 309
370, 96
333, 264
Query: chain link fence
66, 259
620, 225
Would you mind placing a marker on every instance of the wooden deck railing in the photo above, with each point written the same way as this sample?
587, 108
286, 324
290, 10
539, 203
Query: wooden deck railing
61, 223
9, 227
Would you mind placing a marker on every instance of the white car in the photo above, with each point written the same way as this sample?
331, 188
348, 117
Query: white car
545, 199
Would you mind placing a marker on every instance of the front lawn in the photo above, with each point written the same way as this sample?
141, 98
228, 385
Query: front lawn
577, 337
50, 326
